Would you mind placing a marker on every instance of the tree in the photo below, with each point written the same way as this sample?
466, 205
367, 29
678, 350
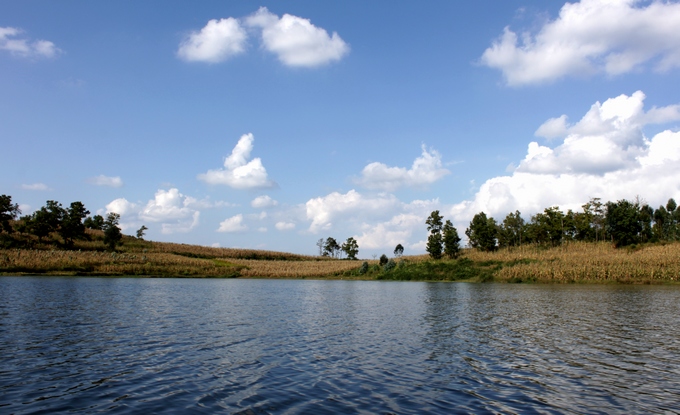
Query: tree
94, 222
72, 226
594, 211
320, 244
331, 248
351, 248
512, 231
623, 222
482, 232
451, 240
398, 251
548, 227
46, 220
112, 234
8, 212
434, 241
383, 259
140, 232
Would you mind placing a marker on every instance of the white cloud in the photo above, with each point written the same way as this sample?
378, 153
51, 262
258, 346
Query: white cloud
605, 154
296, 41
591, 36
173, 210
285, 226
168, 205
233, 224
263, 202
102, 180
25, 48
122, 207
216, 42
322, 211
425, 170
553, 128
238, 172
401, 228
35, 186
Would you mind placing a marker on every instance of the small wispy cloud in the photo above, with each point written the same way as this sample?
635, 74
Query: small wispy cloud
108, 181
12, 42
35, 186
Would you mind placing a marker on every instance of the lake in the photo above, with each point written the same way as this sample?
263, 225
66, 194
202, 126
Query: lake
140, 346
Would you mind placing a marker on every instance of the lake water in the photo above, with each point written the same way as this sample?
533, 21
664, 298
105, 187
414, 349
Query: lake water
140, 346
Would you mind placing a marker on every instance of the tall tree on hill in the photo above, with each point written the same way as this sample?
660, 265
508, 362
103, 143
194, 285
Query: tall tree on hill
112, 234
94, 222
482, 232
140, 232
434, 240
351, 248
623, 222
512, 231
398, 251
451, 240
46, 220
72, 226
8, 212
331, 247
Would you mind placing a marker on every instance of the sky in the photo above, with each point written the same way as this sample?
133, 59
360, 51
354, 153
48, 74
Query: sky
272, 125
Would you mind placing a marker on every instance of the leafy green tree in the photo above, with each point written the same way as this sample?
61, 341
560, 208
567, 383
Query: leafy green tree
548, 227
672, 222
112, 234
451, 240
94, 222
594, 212
398, 251
623, 222
46, 220
331, 247
8, 212
512, 231
646, 218
72, 226
434, 241
482, 232
351, 248
661, 223
140, 232
383, 260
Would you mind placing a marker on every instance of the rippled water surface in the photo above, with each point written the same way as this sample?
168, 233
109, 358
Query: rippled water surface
119, 345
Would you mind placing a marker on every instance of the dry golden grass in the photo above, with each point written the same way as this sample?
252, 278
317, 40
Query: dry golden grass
59, 262
105, 263
294, 269
586, 262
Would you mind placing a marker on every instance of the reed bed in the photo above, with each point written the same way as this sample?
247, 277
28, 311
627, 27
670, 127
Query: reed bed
106, 263
586, 262
294, 269
34, 261
210, 252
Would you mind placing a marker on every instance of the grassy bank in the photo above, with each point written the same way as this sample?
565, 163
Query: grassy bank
159, 259
569, 263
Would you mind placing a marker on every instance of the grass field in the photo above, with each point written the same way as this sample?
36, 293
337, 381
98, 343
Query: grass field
568, 263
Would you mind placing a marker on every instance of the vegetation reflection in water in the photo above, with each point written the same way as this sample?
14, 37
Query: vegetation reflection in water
254, 346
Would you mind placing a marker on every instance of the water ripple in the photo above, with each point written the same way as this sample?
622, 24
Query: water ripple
136, 346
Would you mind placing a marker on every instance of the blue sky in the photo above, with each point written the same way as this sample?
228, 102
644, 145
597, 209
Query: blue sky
270, 126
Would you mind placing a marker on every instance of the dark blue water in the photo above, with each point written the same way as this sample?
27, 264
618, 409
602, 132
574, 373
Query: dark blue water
117, 345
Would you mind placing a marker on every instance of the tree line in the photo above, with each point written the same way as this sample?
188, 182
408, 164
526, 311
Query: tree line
623, 222
67, 222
